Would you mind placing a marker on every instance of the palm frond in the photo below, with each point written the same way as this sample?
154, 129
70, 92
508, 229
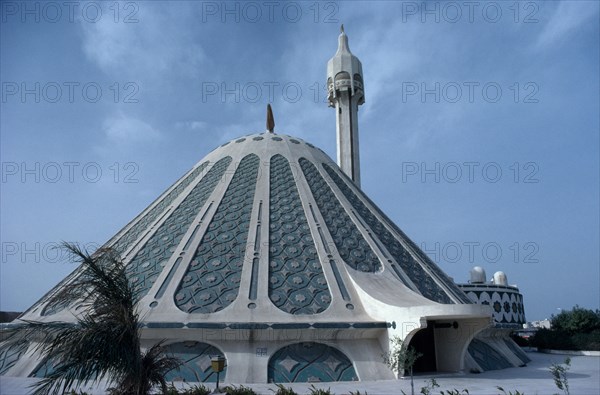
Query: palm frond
105, 341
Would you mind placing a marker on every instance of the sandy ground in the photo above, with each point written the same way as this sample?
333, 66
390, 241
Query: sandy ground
535, 378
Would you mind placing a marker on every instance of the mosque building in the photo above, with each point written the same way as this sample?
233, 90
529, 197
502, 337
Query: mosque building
268, 253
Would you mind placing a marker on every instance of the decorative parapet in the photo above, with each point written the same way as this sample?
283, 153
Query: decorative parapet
506, 302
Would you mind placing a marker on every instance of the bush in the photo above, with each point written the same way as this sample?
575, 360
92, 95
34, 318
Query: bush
559, 374
241, 390
194, 390
578, 320
577, 329
197, 390
282, 390
552, 339
560, 340
319, 391
587, 341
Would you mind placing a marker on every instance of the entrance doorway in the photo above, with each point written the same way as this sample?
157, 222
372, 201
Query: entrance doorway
424, 343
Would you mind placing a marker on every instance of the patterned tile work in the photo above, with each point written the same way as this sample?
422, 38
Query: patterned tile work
148, 263
507, 304
196, 363
10, 355
309, 362
296, 281
486, 357
212, 280
134, 232
55, 306
44, 369
351, 245
426, 285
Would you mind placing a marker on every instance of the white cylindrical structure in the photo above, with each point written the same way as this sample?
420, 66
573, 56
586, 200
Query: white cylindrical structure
477, 275
500, 278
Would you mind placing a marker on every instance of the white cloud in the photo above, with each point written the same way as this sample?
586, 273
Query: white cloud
124, 130
150, 47
192, 125
567, 17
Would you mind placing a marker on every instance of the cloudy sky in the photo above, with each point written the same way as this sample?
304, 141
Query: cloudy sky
479, 136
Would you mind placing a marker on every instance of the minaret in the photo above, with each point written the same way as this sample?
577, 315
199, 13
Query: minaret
346, 93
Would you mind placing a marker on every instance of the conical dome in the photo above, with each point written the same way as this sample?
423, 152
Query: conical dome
266, 245
269, 225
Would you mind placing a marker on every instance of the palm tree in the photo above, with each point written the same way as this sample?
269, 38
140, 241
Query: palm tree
104, 343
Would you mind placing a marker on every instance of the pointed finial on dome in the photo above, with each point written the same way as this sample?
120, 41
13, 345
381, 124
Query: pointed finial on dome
342, 28
270, 119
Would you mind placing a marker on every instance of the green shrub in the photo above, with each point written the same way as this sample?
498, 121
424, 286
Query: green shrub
197, 390
194, 390
171, 390
319, 391
587, 341
282, 390
510, 392
559, 374
552, 339
561, 340
577, 320
241, 390
430, 386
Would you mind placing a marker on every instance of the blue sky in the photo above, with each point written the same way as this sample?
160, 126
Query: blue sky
479, 136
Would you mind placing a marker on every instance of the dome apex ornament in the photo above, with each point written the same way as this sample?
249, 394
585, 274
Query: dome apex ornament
270, 120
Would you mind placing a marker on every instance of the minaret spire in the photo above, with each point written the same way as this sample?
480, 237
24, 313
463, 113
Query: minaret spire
345, 94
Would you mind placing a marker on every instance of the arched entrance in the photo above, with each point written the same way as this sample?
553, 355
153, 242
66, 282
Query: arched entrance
424, 343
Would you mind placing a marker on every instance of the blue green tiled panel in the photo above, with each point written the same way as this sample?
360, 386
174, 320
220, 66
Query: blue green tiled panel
486, 357
352, 247
134, 232
148, 263
310, 362
54, 307
195, 367
413, 269
213, 277
127, 239
296, 281
10, 355
44, 369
